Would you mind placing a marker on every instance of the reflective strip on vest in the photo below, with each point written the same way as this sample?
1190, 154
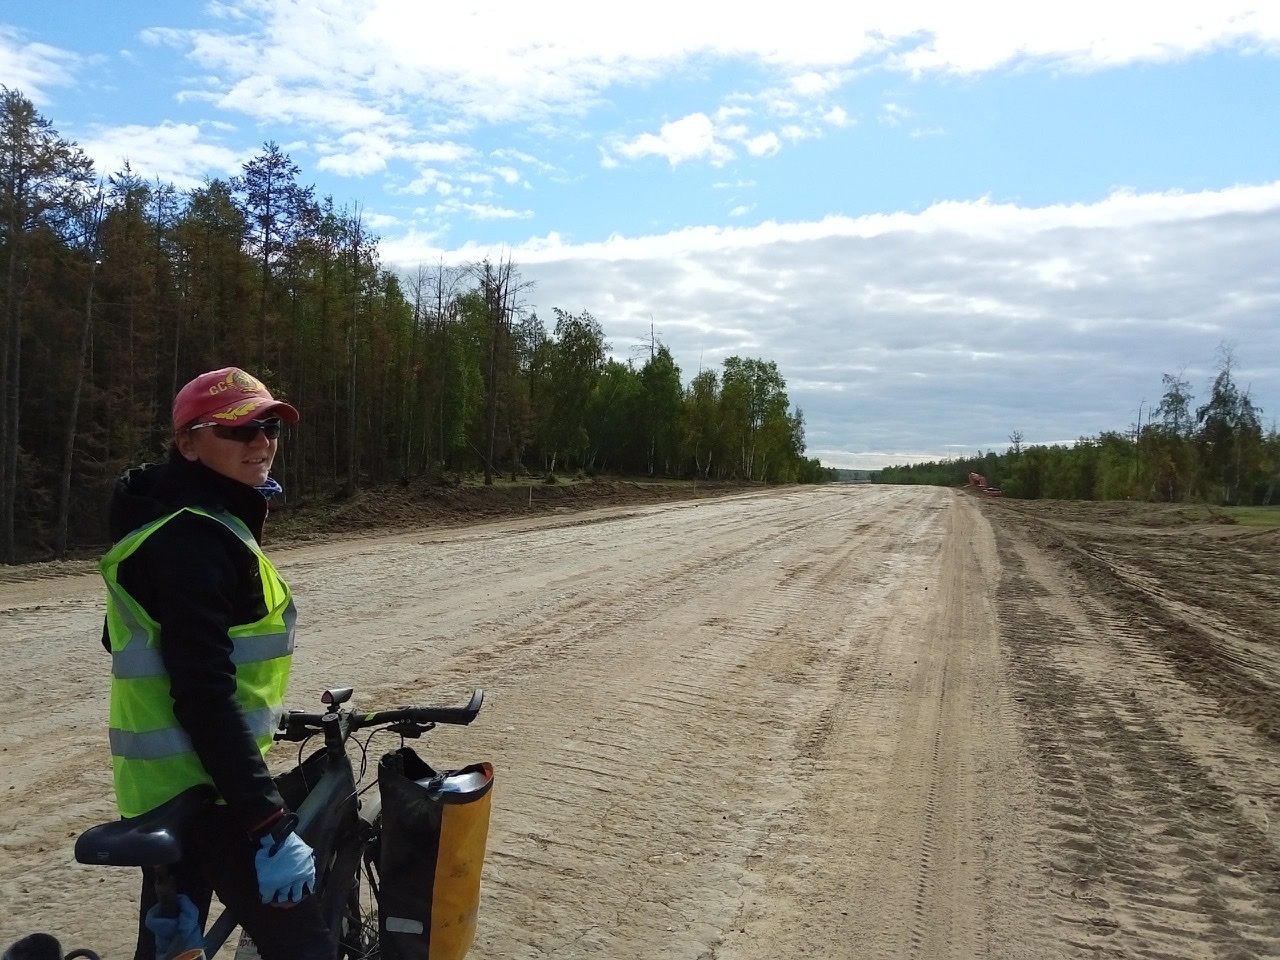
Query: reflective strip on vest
136, 660
158, 744
152, 755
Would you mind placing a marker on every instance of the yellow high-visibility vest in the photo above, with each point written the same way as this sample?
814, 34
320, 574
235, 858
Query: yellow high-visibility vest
152, 757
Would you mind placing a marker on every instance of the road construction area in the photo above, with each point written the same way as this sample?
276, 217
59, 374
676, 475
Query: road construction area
844, 721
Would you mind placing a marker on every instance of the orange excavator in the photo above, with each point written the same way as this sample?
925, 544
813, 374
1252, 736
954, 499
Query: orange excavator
979, 481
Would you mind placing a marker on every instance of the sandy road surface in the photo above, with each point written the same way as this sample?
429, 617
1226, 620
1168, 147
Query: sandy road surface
842, 722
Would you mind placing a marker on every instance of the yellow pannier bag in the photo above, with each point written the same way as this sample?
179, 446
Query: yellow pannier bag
434, 828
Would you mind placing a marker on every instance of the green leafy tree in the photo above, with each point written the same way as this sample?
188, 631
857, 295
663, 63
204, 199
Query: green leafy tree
1229, 434
1027, 473
111, 301
753, 394
663, 400
577, 360
527, 335
616, 421
783, 447
462, 402
701, 422
1270, 467
1174, 409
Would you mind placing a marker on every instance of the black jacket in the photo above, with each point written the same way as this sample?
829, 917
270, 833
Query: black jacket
196, 579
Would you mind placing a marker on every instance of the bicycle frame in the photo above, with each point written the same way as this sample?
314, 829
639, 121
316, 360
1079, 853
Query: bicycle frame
330, 818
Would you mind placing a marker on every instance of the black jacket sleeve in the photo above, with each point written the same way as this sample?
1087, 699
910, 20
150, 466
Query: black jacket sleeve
192, 575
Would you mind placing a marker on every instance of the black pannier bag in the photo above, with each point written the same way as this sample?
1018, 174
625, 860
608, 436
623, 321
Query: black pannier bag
434, 828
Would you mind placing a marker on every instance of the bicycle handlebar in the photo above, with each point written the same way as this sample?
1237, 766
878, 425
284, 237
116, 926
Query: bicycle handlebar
298, 725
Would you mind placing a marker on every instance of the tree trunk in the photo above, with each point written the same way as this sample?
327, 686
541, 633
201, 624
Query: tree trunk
69, 444
11, 417
353, 343
8, 439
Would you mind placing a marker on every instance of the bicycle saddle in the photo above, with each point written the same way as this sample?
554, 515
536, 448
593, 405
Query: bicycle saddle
149, 840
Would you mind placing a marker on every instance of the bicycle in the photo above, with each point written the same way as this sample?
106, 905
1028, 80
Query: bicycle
342, 824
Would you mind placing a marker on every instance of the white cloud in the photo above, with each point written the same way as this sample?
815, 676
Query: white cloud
794, 132
813, 84
1089, 34
837, 117
729, 112
980, 220
527, 159
698, 137
893, 114
171, 152
430, 152
34, 68
763, 145
355, 154
426, 180
481, 211
383, 81
516, 61
266, 99
1052, 320
485, 211
381, 221
689, 138
965, 293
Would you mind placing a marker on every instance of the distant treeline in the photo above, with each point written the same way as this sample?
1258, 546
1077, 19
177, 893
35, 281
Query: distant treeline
1216, 452
116, 291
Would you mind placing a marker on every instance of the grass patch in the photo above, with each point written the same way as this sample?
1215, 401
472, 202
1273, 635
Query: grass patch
1262, 517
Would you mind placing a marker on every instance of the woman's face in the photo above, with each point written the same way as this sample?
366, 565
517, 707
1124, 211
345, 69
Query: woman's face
246, 461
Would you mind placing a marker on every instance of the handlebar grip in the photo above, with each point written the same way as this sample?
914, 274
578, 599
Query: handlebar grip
456, 715
297, 725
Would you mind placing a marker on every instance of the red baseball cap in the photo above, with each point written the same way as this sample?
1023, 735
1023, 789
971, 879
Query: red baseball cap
228, 396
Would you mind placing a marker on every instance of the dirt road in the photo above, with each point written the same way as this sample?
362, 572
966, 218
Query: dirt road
872, 722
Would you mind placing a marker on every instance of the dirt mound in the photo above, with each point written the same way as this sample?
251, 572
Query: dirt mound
426, 503
450, 502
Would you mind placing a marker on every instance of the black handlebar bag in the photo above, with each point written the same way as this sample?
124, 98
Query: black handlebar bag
434, 828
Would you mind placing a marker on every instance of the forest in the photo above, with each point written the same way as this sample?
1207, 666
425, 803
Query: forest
116, 291
1214, 452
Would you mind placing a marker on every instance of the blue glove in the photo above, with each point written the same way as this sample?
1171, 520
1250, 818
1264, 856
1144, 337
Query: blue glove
176, 935
286, 865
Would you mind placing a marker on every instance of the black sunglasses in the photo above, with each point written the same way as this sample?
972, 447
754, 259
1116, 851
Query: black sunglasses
244, 432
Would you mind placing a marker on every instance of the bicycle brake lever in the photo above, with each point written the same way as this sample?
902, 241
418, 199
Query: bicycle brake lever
288, 733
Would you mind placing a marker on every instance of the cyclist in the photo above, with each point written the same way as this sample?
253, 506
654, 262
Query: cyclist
200, 628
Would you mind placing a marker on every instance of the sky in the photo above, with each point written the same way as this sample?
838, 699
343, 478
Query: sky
946, 223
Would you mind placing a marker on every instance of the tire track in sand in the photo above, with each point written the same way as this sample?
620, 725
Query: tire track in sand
1145, 852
